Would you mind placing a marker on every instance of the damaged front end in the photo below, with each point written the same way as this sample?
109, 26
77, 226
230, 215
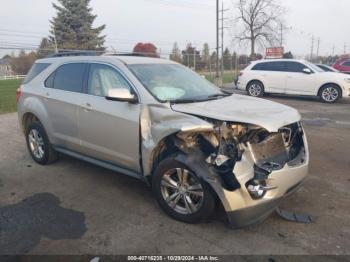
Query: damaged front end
249, 168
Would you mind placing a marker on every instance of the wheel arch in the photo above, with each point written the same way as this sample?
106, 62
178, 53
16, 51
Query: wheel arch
330, 83
33, 109
255, 80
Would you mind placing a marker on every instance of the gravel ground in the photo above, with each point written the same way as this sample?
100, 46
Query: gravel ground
114, 214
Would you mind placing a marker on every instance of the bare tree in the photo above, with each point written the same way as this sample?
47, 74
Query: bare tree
261, 20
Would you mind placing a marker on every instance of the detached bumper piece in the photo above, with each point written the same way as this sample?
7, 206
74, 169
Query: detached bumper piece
296, 217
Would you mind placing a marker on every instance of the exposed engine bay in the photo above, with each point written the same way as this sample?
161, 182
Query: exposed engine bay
225, 145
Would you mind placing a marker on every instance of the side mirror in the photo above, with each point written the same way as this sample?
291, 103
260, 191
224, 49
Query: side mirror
121, 95
307, 71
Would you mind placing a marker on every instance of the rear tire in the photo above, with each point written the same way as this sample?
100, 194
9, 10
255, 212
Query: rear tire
181, 193
39, 145
330, 94
255, 89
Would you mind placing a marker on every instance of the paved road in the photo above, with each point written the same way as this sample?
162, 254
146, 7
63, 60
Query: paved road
114, 214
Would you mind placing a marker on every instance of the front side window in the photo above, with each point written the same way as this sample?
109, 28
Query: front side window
69, 77
175, 83
103, 78
36, 69
295, 67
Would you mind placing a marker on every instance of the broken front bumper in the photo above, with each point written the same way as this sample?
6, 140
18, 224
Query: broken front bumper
242, 209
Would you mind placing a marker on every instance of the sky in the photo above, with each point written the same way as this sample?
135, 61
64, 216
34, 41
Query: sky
162, 22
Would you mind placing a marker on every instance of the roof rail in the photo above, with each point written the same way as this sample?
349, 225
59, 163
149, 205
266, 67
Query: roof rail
132, 54
73, 53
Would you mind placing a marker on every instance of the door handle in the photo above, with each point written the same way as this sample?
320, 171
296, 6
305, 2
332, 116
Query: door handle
87, 107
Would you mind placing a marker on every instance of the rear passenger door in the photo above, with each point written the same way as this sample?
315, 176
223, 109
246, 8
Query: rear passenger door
63, 99
273, 75
109, 130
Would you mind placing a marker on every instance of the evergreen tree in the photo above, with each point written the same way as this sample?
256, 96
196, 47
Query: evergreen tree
45, 48
73, 26
227, 59
206, 55
175, 53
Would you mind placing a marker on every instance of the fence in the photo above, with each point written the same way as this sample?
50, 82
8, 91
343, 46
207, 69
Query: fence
12, 77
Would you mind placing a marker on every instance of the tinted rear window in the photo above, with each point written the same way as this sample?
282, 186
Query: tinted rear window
270, 66
69, 77
260, 67
36, 69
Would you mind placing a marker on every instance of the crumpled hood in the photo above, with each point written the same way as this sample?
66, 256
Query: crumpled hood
243, 109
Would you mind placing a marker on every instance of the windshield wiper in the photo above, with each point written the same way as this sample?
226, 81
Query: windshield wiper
218, 95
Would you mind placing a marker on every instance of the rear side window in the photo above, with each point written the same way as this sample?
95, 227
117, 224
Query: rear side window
69, 77
277, 66
261, 67
270, 66
36, 69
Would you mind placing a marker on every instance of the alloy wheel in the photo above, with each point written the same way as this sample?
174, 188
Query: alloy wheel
330, 94
36, 144
182, 191
255, 90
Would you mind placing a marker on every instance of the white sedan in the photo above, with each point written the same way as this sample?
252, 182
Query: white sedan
295, 77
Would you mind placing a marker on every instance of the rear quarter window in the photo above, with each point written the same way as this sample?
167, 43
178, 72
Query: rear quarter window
36, 69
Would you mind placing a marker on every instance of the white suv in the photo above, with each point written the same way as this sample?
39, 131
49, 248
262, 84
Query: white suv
296, 77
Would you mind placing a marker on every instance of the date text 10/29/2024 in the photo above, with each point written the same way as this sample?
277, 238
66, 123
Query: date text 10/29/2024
173, 258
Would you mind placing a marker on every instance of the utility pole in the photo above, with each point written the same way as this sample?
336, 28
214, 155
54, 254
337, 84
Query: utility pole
217, 39
345, 48
222, 38
312, 47
333, 51
318, 46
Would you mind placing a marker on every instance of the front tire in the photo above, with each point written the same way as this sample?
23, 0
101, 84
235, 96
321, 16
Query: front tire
39, 145
255, 89
330, 94
181, 193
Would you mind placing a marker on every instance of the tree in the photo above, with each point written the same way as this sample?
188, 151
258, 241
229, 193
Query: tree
206, 55
45, 48
23, 62
261, 20
73, 26
146, 49
175, 53
288, 55
227, 59
191, 57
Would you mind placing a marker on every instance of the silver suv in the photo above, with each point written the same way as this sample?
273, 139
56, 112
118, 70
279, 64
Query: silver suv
158, 121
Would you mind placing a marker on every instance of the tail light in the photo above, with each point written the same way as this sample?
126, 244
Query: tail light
18, 94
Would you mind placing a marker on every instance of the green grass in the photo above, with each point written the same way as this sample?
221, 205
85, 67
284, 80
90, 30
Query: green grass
8, 95
227, 78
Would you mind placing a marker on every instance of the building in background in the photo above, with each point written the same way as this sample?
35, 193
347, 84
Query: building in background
5, 67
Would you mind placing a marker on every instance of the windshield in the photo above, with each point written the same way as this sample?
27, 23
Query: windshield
175, 83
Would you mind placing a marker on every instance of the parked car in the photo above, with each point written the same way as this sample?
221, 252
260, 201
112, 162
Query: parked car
295, 77
327, 68
158, 121
343, 65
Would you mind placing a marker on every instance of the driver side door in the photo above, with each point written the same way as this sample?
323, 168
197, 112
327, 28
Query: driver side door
109, 130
